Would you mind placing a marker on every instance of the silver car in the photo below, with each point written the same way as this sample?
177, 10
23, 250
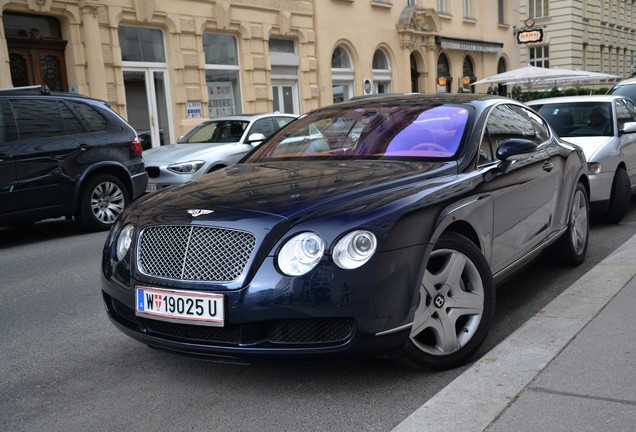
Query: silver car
210, 145
603, 126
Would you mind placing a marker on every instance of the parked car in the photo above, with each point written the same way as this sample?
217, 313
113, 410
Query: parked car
604, 127
375, 227
625, 88
64, 154
210, 145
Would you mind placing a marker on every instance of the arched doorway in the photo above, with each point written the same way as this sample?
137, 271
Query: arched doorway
36, 50
414, 75
468, 76
444, 78
501, 67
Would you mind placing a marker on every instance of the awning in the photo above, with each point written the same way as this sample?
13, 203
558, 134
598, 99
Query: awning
468, 45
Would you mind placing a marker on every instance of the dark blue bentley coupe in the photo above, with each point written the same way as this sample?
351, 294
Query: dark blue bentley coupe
375, 227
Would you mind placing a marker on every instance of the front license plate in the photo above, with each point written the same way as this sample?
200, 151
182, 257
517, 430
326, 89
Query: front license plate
151, 187
180, 306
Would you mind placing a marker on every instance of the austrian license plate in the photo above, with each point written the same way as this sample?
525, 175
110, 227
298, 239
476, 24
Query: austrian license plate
180, 306
151, 187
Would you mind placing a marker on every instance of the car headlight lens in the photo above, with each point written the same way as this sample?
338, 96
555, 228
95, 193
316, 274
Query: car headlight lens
189, 167
594, 167
124, 240
354, 249
301, 253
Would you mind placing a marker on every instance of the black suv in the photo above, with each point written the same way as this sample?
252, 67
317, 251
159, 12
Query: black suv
64, 154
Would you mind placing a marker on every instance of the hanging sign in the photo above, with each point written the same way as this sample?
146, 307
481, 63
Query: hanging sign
529, 36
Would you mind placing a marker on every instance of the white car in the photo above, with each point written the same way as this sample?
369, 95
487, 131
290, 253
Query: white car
604, 126
210, 145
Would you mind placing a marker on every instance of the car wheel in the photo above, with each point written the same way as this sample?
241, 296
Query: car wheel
456, 305
102, 199
620, 198
571, 248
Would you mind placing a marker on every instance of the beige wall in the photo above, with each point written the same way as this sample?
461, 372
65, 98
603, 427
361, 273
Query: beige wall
362, 26
583, 35
93, 54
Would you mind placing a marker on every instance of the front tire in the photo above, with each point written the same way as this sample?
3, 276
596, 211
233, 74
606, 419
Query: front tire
620, 198
571, 248
102, 200
456, 306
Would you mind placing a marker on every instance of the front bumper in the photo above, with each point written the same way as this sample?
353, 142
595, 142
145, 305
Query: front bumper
326, 314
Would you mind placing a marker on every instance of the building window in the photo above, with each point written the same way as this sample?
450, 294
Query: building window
501, 11
411, 2
538, 8
540, 56
342, 75
285, 62
381, 72
141, 45
468, 9
441, 7
222, 74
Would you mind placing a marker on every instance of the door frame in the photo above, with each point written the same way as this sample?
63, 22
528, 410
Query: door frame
151, 100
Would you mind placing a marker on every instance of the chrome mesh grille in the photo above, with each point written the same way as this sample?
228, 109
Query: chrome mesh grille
195, 253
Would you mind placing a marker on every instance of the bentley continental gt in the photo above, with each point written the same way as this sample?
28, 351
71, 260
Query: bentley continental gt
376, 227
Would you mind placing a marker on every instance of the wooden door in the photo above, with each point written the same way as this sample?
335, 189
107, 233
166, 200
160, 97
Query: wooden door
36, 62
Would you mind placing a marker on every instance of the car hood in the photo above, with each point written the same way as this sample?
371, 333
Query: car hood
298, 190
590, 144
174, 153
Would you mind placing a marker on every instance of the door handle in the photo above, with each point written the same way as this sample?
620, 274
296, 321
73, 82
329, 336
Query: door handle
548, 166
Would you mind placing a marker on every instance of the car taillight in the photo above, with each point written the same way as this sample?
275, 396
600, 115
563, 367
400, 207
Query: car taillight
136, 145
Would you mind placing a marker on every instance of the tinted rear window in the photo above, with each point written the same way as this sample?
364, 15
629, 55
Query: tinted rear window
89, 115
38, 118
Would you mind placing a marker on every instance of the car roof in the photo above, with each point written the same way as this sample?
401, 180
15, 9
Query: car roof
580, 98
414, 99
628, 81
250, 117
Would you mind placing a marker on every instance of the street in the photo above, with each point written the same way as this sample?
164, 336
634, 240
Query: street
64, 366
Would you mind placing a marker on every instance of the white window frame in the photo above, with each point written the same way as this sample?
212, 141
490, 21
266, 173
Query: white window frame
538, 8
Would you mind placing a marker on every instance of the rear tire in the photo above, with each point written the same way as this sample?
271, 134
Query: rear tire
620, 198
456, 306
102, 200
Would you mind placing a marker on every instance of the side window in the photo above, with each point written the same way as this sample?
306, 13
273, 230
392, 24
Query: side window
509, 121
282, 121
540, 127
91, 118
37, 118
264, 126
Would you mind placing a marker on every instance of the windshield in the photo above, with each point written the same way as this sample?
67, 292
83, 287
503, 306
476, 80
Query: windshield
627, 90
572, 119
216, 131
381, 132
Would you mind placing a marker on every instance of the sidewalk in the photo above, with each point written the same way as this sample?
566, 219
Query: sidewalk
572, 367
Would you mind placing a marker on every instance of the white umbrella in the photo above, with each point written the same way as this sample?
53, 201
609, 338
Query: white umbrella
532, 75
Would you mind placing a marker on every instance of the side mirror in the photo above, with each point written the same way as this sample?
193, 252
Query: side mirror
255, 138
629, 127
181, 139
515, 147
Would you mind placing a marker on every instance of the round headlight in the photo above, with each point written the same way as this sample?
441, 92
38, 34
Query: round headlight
354, 249
124, 240
301, 253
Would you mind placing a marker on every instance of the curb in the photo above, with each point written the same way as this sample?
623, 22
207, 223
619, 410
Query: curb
476, 398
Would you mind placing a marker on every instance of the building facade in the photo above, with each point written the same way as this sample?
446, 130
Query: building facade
428, 46
165, 64
592, 35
